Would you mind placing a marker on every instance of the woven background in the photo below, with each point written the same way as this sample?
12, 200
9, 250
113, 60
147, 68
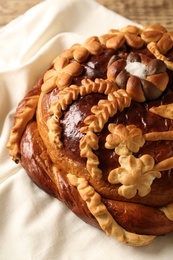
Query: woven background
144, 12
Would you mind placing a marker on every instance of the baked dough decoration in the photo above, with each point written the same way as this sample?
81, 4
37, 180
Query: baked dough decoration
86, 146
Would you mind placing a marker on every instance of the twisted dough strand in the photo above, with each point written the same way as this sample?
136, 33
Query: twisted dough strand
117, 100
88, 143
66, 96
105, 109
104, 218
99, 85
21, 119
54, 131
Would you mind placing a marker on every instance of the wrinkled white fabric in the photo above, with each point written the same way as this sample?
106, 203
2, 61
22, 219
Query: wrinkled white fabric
34, 225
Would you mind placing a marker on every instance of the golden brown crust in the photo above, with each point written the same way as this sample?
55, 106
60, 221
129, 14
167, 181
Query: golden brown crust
101, 131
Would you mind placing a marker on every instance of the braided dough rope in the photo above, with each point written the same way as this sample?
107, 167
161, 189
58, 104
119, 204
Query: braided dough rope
104, 218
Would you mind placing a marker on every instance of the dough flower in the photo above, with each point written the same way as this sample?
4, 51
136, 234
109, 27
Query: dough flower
125, 139
135, 174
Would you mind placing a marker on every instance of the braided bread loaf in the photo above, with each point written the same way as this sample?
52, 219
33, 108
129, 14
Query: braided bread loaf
96, 132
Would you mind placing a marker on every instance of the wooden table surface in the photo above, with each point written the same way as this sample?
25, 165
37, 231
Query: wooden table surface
144, 12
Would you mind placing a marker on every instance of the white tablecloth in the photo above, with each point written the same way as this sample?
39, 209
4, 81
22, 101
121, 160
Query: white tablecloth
34, 225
